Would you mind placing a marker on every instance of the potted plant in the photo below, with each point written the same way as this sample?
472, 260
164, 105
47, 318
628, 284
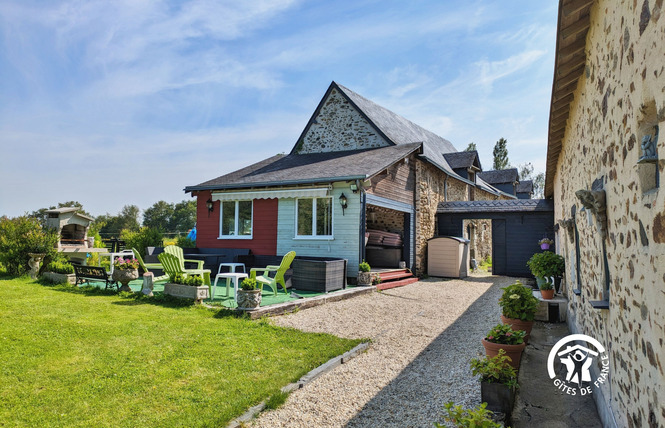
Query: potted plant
546, 265
364, 275
60, 271
187, 287
249, 295
124, 271
545, 243
501, 336
547, 288
498, 382
518, 308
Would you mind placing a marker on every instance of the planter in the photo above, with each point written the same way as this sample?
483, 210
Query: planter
544, 246
500, 398
364, 278
319, 274
512, 351
517, 324
540, 281
187, 291
124, 276
249, 299
557, 284
547, 294
60, 278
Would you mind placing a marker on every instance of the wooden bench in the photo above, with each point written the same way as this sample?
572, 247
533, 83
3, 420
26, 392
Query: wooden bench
94, 273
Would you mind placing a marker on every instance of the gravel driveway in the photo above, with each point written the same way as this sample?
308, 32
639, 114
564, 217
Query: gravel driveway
423, 337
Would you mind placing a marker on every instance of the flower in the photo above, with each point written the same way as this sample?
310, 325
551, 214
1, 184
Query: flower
514, 296
504, 334
517, 302
121, 263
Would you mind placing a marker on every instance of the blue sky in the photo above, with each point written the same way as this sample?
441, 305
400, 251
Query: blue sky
128, 102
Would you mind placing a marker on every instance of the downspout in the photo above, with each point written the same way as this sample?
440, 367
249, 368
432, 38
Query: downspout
363, 221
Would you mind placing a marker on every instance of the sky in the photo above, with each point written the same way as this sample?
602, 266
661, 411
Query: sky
130, 101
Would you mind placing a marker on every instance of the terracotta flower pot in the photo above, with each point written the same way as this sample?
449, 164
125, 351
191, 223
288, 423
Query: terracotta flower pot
517, 324
547, 294
512, 351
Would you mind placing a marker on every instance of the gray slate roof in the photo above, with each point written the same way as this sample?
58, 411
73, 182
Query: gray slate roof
524, 186
512, 205
311, 168
500, 176
462, 159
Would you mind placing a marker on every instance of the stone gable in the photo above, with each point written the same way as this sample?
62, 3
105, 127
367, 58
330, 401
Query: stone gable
339, 127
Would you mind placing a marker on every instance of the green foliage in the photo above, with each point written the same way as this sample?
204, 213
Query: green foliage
128, 218
20, 236
518, 302
276, 400
526, 172
500, 153
364, 267
376, 280
184, 242
505, 335
165, 217
58, 266
495, 369
471, 147
478, 417
248, 284
52, 359
546, 264
545, 241
193, 280
145, 237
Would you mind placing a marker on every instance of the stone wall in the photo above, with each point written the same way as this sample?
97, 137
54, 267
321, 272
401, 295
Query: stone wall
339, 127
618, 101
385, 219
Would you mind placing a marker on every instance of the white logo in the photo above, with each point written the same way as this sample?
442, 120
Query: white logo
577, 359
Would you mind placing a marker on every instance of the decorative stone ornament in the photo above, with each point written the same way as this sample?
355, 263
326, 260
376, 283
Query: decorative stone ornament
594, 202
648, 148
148, 283
569, 225
35, 259
124, 276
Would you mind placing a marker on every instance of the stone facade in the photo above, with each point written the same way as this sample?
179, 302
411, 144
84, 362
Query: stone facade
339, 127
433, 187
385, 219
618, 101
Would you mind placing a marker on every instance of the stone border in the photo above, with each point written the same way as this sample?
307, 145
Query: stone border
309, 302
320, 370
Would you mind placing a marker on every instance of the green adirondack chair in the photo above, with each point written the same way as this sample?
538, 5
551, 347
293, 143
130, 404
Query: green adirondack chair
280, 270
177, 251
172, 265
147, 266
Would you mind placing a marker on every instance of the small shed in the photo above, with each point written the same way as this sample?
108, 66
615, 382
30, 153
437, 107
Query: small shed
448, 256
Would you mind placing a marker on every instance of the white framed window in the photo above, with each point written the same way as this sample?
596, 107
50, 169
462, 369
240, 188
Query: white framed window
235, 219
314, 218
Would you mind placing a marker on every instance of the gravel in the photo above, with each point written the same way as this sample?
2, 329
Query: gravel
423, 337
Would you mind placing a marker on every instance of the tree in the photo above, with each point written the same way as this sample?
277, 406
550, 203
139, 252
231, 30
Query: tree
128, 218
526, 172
184, 216
158, 216
471, 147
500, 155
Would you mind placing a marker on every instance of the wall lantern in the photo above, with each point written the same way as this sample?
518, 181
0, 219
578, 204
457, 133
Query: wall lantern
343, 202
210, 205
354, 187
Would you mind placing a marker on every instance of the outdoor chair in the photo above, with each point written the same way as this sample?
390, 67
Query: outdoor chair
147, 266
280, 270
177, 251
173, 265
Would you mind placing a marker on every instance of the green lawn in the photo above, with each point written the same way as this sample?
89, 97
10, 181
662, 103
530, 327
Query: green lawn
71, 357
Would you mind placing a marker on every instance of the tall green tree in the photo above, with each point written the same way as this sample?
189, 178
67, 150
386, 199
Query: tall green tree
128, 218
526, 172
158, 216
184, 216
500, 155
471, 147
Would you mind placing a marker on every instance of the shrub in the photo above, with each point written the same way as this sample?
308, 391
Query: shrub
248, 284
20, 236
185, 242
478, 417
518, 302
193, 280
364, 267
58, 266
546, 264
495, 369
505, 335
145, 237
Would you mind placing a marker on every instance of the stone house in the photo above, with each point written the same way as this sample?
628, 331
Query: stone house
605, 165
357, 169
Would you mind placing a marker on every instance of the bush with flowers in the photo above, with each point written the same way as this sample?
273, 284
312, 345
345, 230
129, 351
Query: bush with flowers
121, 263
505, 335
518, 302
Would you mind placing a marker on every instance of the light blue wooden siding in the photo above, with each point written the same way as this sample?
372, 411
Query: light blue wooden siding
346, 230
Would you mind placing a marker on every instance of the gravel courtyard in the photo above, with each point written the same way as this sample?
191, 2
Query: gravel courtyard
423, 337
